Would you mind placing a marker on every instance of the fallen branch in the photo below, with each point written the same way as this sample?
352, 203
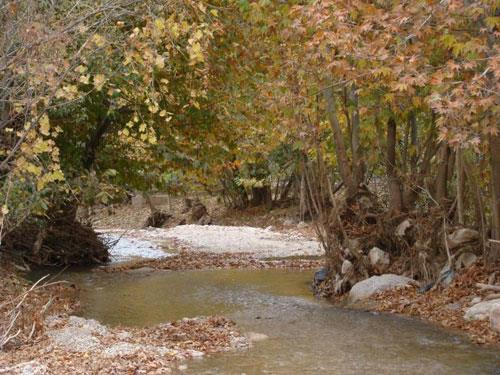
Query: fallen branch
495, 288
489, 297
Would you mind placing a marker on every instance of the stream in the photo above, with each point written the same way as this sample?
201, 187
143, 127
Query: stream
305, 335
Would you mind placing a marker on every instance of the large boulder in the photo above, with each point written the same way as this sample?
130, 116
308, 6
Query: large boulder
482, 310
461, 237
379, 259
375, 284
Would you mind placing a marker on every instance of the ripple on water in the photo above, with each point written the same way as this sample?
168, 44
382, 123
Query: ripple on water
305, 336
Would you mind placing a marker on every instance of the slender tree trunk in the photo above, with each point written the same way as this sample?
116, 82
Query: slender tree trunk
441, 187
396, 198
460, 186
495, 196
340, 150
357, 162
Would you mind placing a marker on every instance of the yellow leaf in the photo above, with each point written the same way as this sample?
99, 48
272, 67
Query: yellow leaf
99, 81
159, 24
45, 125
81, 69
84, 79
160, 62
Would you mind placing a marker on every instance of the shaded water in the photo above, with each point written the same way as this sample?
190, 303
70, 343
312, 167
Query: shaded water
306, 336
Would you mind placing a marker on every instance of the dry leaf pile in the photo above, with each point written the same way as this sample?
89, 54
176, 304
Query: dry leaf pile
23, 308
153, 350
198, 260
444, 306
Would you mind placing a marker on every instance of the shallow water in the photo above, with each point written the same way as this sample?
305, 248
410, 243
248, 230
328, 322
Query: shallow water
306, 336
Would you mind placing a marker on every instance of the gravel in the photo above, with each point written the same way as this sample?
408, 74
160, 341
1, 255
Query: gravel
153, 243
128, 245
262, 243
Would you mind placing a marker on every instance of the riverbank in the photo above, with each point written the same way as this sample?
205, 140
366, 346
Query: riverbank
39, 335
447, 307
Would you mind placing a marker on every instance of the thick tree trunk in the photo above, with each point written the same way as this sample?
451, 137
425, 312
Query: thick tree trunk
340, 150
395, 194
495, 196
94, 142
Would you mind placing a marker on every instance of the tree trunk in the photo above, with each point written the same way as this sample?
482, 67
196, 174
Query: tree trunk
395, 194
441, 188
495, 196
340, 150
94, 142
357, 162
460, 186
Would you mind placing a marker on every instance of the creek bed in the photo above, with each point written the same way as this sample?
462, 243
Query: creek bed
305, 335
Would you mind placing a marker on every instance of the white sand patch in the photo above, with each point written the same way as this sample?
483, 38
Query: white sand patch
263, 243
128, 245
260, 242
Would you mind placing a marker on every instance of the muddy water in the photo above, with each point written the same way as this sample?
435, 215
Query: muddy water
305, 336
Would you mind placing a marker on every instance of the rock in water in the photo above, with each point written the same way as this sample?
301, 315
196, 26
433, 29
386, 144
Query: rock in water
482, 310
375, 284
320, 275
461, 237
379, 259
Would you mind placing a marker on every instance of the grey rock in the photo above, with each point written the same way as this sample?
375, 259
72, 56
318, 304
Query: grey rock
475, 300
482, 310
346, 267
465, 260
495, 318
379, 259
375, 284
320, 275
302, 225
461, 237
403, 227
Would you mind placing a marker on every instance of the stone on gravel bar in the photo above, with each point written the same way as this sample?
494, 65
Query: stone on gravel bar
375, 284
481, 310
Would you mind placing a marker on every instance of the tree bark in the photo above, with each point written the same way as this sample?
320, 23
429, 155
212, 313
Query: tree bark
340, 150
94, 142
441, 188
494, 142
395, 194
357, 162
460, 186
